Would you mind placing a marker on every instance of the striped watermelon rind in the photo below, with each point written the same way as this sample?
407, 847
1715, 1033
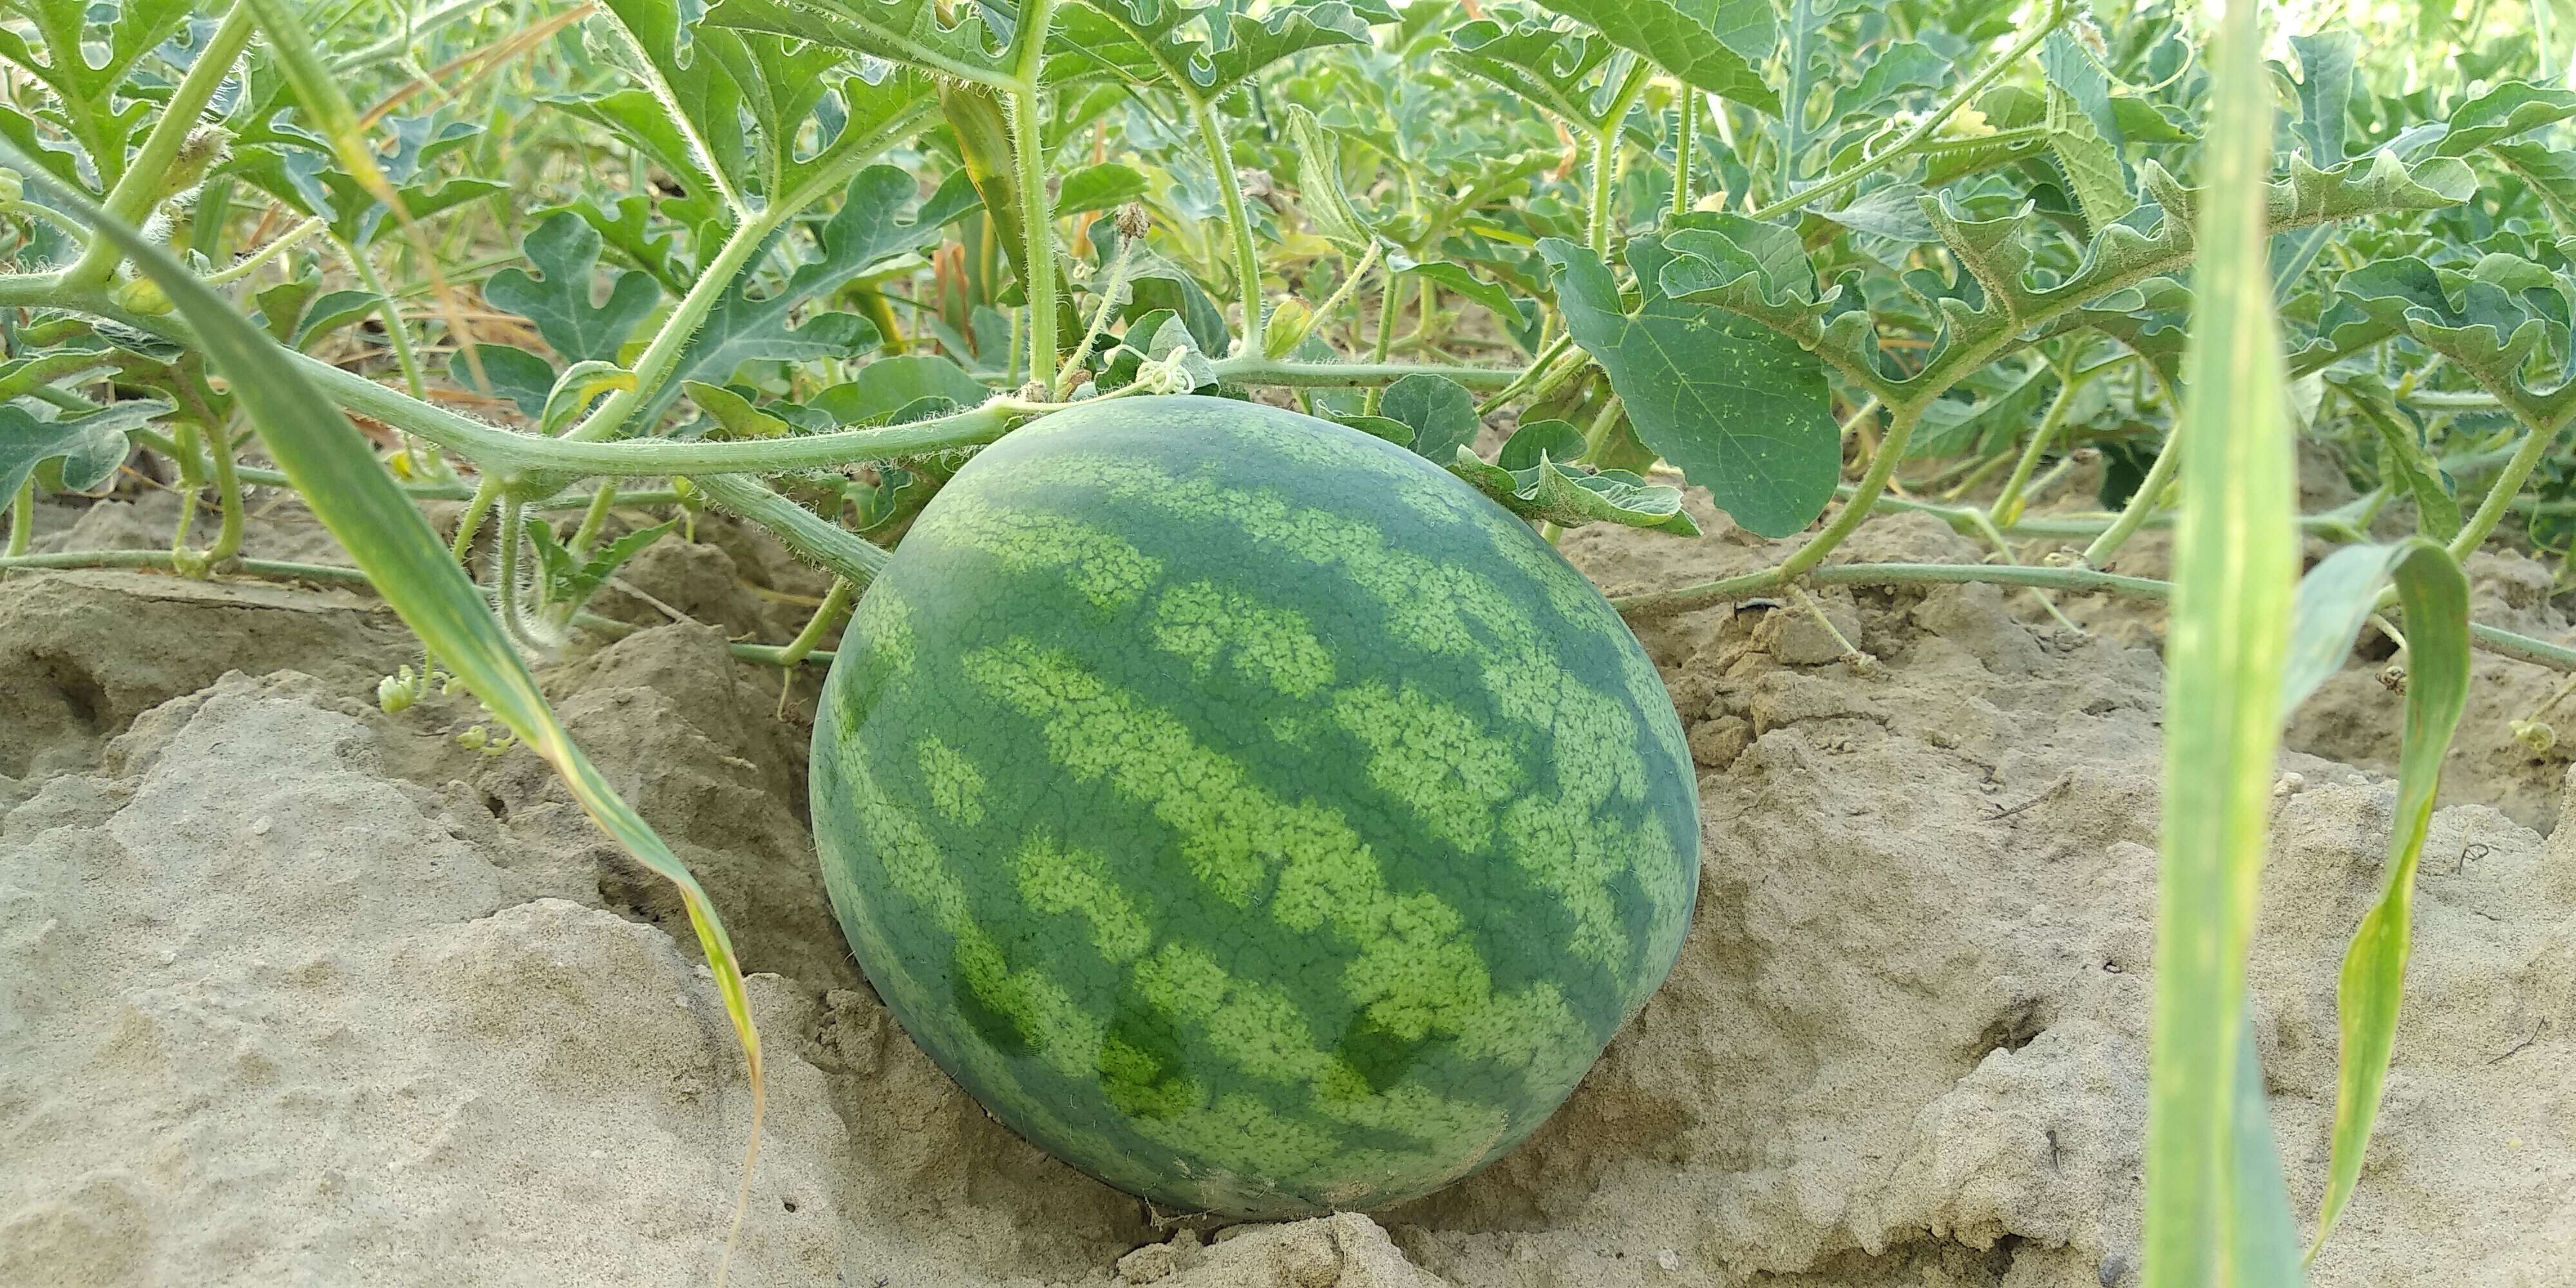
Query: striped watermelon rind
1245, 810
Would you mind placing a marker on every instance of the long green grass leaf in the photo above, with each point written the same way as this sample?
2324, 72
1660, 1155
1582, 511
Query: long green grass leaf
328, 462
2263, 1248
2334, 599
2435, 594
2214, 1213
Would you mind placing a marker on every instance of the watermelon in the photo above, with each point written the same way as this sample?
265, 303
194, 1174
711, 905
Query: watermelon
1245, 810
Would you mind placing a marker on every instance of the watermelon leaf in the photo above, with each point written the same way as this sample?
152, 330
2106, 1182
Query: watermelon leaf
888, 385
1386, 427
1569, 496
565, 250
1537, 438
570, 579
1738, 408
2325, 91
90, 447
1439, 411
1098, 187
2501, 113
2550, 173
1685, 43
1165, 40
516, 374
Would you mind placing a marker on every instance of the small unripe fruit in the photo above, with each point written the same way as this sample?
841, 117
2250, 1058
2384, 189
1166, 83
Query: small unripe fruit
143, 295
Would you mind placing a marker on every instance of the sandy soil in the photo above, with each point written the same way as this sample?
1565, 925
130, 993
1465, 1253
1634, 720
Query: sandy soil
303, 993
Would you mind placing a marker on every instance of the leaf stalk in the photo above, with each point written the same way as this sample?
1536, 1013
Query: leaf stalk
1238, 223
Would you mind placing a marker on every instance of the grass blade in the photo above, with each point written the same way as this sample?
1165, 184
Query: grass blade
330, 465
2263, 1245
2335, 598
2435, 594
2214, 1211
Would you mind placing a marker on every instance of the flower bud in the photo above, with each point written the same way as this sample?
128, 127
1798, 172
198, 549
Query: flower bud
1286, 328
204, 146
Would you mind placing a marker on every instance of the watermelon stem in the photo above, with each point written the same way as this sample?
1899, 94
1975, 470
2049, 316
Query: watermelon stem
1247, 255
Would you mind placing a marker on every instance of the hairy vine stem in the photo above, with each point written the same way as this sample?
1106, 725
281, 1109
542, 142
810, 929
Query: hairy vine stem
227, 480
1386, 308
1647, 607
1238, 222
397, 335
1530, 375
2144, 501
1655, 605
835, 605
806, 533
2071, 382
22, 518
1882, 466
1109, 293
164, 561
1342, 294
505, 577
276, 246
2538, 436
1605, 146
595, 516
1686, 114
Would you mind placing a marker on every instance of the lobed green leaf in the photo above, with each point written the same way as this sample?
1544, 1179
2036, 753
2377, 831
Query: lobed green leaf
565, 250
1683, 42
1740, 409
2501, 113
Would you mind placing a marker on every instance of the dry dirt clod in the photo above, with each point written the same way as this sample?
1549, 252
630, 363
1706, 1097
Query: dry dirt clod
1153, 1263
1714, 744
